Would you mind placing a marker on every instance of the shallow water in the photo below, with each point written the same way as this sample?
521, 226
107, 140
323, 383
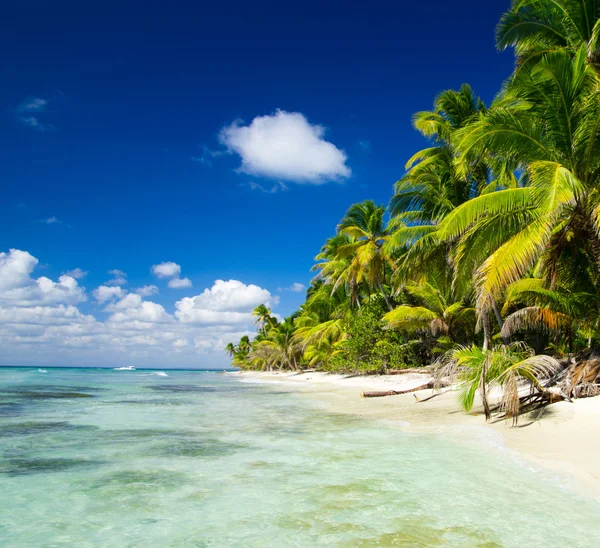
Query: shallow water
129, 458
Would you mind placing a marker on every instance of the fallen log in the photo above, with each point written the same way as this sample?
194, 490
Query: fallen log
381, 394
421, 370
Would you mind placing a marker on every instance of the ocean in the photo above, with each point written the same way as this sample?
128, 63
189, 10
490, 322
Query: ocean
93, 457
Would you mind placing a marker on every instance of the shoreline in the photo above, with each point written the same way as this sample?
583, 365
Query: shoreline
561, 440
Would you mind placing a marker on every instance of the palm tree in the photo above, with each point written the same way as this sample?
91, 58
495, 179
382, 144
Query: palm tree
279, 349
435, 311
334, 269
264, 320
538, 27
435, 182
368, 260
508, 367
230, 349
547, 121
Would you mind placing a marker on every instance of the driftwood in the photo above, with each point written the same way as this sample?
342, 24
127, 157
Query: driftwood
381, 394
423, 370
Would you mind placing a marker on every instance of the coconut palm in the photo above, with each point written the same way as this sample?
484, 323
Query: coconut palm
538, 27
548, 122
279, 349
508, 367
264, 320
364, 223
434, 311
435, 183
335, 271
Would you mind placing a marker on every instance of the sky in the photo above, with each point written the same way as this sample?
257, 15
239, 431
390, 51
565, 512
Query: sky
166, 167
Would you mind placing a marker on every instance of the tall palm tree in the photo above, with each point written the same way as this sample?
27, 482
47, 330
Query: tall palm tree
279, 349
436, 182
538, 27
264, 320
364, 223
334, 269
547, 120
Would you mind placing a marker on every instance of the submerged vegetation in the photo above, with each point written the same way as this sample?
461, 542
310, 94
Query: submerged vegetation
487, 260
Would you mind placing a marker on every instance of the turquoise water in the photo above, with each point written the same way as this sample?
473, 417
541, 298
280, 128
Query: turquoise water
120, 458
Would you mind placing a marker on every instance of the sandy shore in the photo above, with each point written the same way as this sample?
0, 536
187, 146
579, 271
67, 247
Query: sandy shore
564, 438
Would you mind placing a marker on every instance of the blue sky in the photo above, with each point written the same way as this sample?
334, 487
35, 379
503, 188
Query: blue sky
226, 140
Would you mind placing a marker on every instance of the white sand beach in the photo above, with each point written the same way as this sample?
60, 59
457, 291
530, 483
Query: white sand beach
563, 437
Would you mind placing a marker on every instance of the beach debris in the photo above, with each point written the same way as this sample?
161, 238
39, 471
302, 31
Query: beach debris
380, 394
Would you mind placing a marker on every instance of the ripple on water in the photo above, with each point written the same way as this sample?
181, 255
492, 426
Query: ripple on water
26, 466
181, 388
127, 481
11, 409
45, 393
31, 428
200, 448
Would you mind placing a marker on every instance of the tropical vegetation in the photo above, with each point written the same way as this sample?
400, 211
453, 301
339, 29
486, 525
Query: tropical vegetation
487, 260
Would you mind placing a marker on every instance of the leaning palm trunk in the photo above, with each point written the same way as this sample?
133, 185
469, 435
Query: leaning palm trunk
385, 296
505, 367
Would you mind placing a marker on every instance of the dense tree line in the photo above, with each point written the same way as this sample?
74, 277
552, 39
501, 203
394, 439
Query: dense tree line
487, 259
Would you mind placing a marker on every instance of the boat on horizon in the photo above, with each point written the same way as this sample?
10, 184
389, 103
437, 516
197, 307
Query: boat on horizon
125, 368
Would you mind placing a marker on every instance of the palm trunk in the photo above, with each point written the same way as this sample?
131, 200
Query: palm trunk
484, 401
487, 335
499, 320
387, 301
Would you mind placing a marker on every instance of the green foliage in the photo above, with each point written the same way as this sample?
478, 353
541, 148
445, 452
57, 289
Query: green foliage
370, 347
492, 234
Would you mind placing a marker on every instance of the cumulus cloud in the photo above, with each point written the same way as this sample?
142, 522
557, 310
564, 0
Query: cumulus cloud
76, 273
286, 146
171, 270
166, 270
106, 293
118, 277
147, 290
18, 288
233, 295
179, 283
41, 323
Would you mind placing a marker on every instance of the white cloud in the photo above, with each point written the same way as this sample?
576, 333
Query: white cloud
147, 290
166, 270
179, 283
142, 311
286, 146
41, 324
233, 295
60, 314
105, 293
18, 288
118, 277
131, 300
76, 273
296, 287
